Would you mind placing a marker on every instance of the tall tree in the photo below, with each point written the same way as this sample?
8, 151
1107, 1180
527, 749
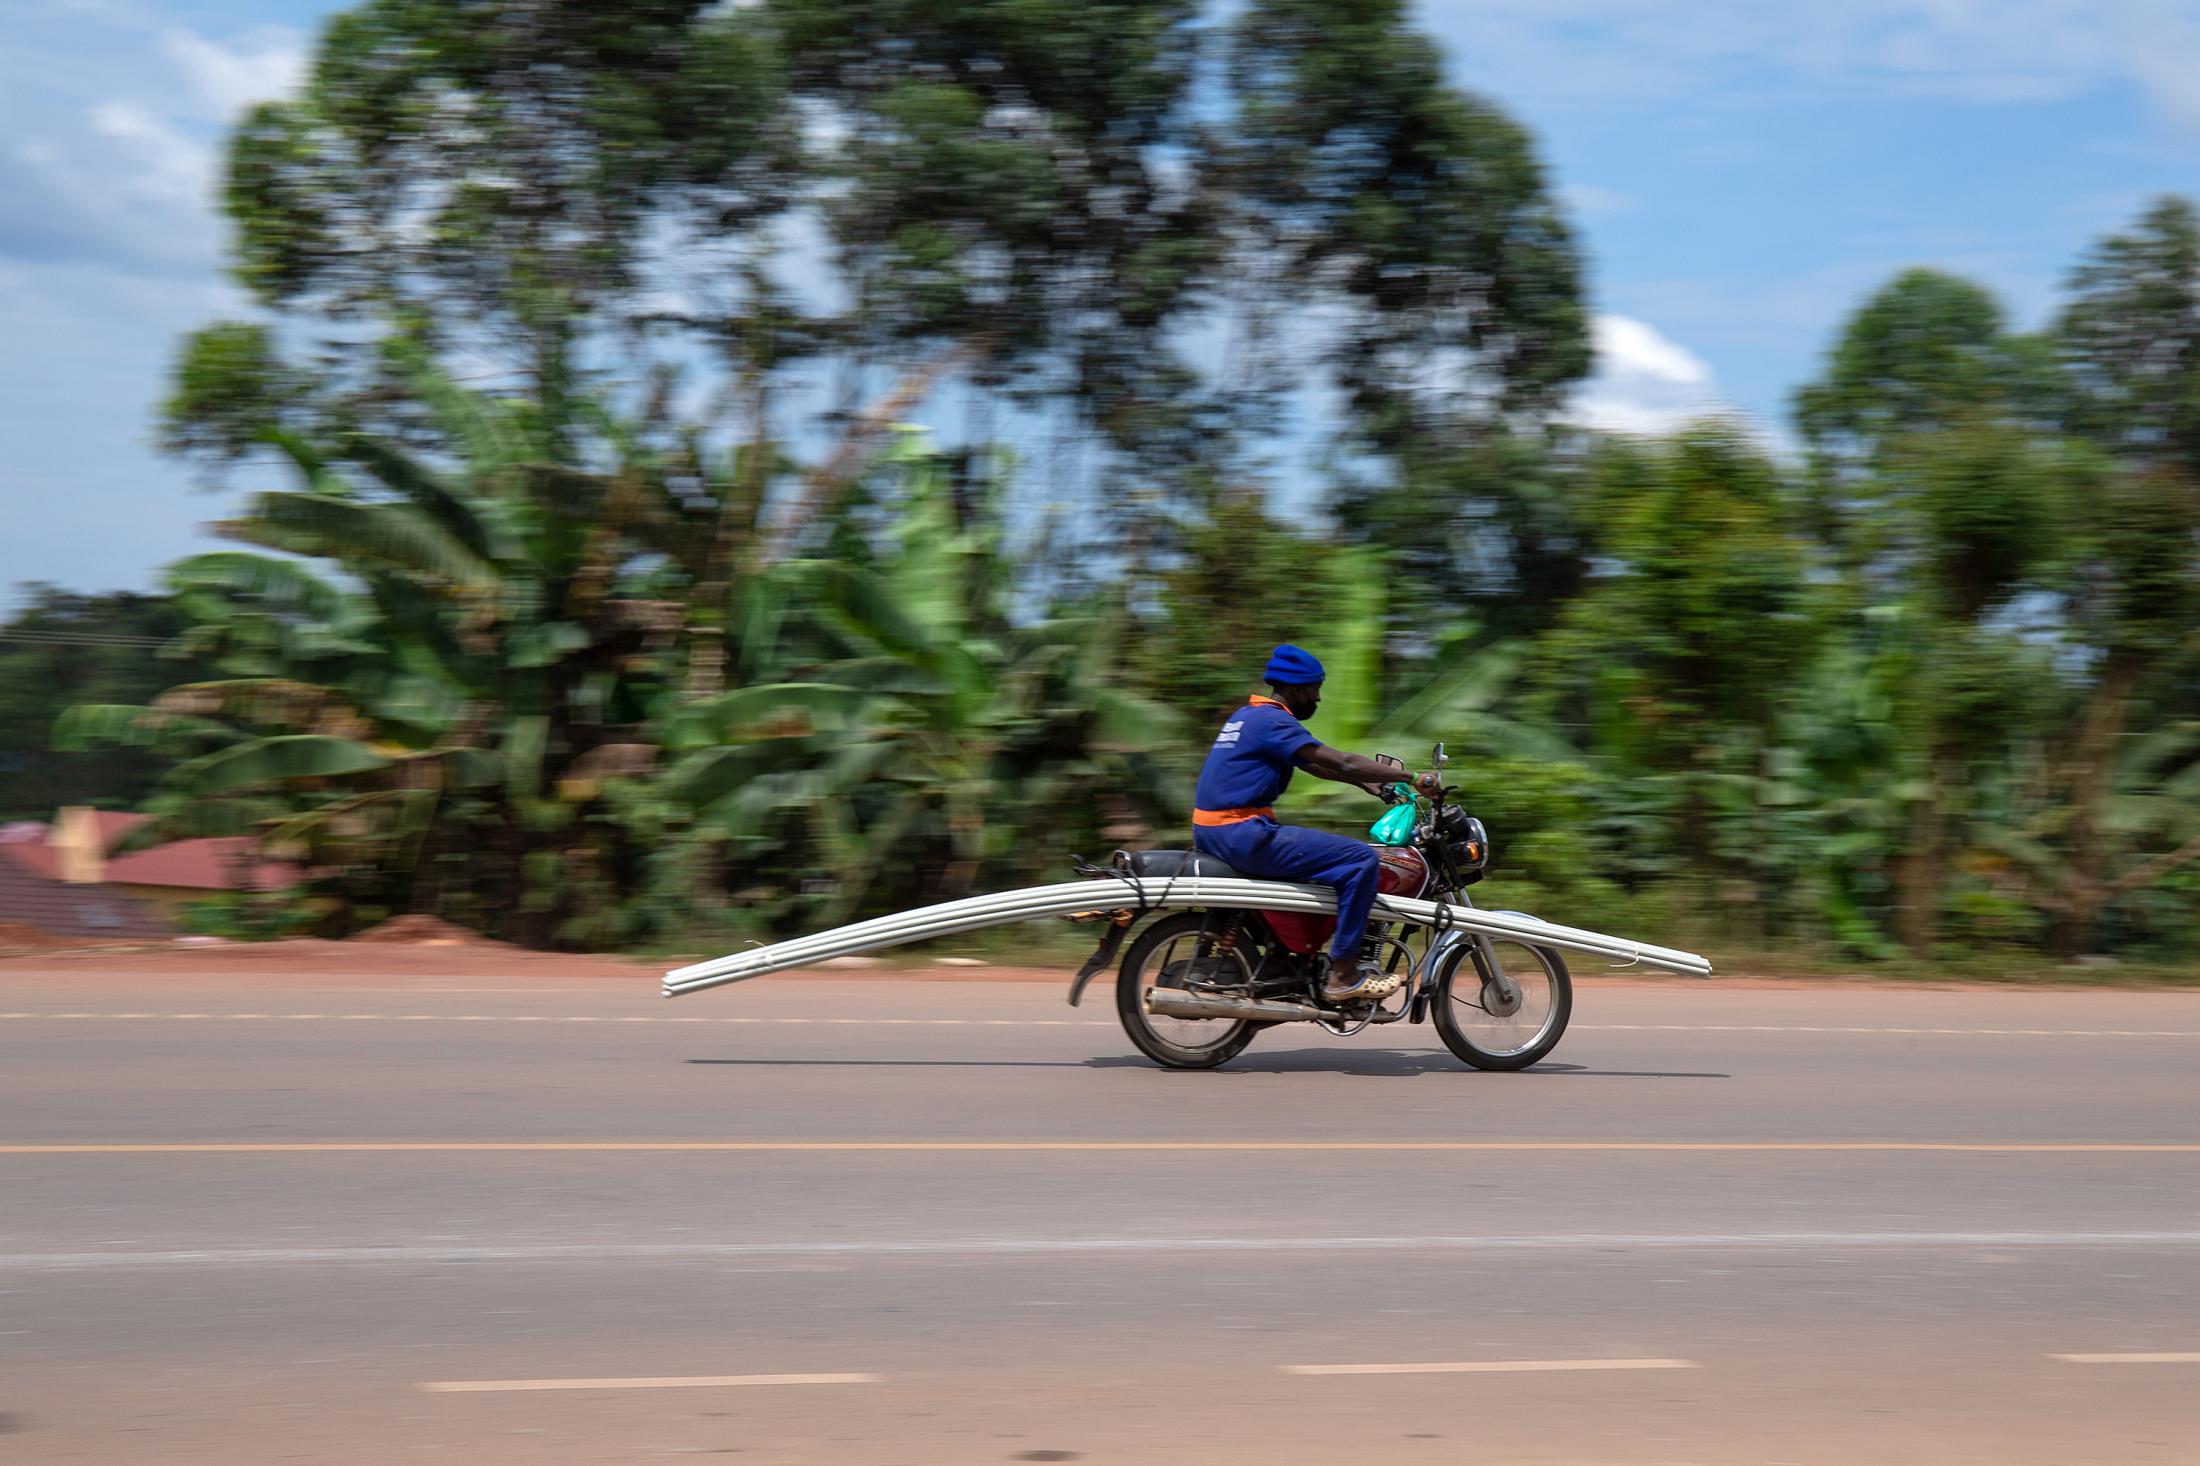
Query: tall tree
1417, 212
2131, 339
2131, 334
1674, 664
486, 172
1942, 485
1048, 200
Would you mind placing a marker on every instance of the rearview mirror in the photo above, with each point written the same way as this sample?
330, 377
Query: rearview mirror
1439, 758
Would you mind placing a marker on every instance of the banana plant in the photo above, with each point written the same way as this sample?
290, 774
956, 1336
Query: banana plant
1457, 691
436, 660
915, 725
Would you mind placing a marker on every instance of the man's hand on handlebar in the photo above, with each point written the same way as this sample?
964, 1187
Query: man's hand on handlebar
1427, 784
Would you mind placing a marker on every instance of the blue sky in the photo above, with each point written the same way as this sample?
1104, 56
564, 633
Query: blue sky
1742, 173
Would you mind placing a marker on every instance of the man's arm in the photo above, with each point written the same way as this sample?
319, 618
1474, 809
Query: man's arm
1324, 762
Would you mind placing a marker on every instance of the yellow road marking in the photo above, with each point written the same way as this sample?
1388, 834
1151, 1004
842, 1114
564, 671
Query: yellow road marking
1493, 1366
804, 1147
665, 1382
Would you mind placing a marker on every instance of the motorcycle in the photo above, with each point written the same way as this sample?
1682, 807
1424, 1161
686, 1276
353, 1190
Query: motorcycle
1197, 986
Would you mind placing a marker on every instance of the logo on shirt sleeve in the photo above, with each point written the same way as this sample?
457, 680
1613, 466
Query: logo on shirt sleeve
1229, 733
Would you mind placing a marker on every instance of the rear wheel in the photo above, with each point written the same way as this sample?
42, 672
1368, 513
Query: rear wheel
1183, 951
1503, 1004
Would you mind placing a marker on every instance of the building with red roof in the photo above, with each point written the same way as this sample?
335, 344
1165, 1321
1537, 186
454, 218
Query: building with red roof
79, 849
76, 913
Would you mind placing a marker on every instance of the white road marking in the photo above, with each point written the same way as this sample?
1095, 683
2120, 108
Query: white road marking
459, 1252
1089, 1023
568, 1018
666, 1382
1856, 1028
2127, 1358
1493, 1366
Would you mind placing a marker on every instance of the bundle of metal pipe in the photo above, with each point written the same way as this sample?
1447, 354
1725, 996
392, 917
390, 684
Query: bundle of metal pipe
1130, 892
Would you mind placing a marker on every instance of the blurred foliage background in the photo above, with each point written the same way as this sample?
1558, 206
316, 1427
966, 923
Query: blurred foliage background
607, 600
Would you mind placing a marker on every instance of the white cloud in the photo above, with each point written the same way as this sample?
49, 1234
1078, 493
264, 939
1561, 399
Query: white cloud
1644, 383
1641, 51
135, 179
228, 78
171, 167
1590, 201
2164, 49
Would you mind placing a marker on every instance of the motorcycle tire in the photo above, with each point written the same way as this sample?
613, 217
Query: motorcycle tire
1478, 1044
1221, 1040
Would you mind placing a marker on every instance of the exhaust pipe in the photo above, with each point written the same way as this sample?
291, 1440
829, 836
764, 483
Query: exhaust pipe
1176, 1003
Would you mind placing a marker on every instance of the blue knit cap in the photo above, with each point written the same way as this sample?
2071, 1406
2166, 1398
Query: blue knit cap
1290, 667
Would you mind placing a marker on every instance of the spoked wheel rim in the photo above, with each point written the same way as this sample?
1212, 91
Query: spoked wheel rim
1179, 963
1511, 1009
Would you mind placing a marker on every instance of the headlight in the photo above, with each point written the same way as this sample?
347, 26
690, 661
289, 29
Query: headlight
1468, 842
1474, 845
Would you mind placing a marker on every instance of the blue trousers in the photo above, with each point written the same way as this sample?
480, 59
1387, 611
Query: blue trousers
1267, 851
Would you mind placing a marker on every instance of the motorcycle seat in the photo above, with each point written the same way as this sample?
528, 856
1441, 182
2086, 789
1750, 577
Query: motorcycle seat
1161, 864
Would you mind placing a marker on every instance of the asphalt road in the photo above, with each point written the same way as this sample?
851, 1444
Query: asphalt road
920, 1222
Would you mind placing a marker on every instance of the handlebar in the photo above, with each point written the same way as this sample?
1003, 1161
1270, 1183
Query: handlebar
1399, 791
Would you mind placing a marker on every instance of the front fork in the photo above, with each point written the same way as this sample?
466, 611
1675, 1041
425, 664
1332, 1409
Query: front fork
1500, 992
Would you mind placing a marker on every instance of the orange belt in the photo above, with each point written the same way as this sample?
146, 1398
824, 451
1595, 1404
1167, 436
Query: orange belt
1230, 816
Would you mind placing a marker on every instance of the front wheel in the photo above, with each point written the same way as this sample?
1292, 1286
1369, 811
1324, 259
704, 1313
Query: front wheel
1181, 951
1503, 1004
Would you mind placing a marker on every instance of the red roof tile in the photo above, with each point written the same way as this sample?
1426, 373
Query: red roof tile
42, 860
209, 865
113, 824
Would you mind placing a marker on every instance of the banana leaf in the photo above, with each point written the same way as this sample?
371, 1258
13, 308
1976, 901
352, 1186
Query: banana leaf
394, 535
281, 585
543, 644
747, 711
271, 761
90, 725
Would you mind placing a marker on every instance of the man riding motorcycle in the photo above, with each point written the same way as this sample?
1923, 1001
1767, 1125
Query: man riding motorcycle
1248, 769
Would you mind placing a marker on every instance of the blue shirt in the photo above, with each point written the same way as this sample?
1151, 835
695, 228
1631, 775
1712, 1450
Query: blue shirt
1250, 765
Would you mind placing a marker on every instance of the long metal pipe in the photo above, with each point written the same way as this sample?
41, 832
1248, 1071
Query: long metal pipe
775, 959
1043, 901
1035, 902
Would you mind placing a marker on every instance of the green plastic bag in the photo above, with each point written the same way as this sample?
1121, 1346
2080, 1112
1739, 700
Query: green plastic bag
1396, 825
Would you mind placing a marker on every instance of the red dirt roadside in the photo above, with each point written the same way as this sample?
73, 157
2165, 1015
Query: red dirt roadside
401, 965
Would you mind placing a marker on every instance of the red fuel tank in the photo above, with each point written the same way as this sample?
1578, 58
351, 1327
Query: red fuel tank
1405, 871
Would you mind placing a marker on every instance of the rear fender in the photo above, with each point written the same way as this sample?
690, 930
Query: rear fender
1102, 958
